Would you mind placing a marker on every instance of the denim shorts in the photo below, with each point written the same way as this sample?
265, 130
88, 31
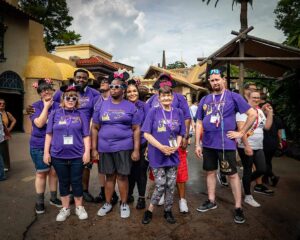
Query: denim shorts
37, 156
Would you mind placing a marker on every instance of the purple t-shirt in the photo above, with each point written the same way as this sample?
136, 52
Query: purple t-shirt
37, 139
87, 101
178, 102
115, 120
63, 125
155, 124
229, 106
141, 108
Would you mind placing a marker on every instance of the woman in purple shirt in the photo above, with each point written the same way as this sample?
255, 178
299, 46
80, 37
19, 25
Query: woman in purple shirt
67, 147
39, 119
163, 128
116, 136
139, 168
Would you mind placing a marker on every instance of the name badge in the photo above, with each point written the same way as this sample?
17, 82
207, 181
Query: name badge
68, 140
62, 122
214, 118
173, 142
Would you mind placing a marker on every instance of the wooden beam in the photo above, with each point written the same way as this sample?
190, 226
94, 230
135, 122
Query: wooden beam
256, 58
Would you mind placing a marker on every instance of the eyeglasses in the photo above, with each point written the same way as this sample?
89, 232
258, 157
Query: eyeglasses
104, 81
112, 86
214, 71
69, 99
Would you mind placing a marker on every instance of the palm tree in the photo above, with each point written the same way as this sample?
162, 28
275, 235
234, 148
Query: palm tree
244, 11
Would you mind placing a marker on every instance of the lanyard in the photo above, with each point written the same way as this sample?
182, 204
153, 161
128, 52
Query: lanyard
68, 120
221, 99
170, 121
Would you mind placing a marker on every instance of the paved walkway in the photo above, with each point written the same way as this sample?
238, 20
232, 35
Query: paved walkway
278, 218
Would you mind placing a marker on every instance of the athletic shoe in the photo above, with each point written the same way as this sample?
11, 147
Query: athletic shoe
39, 208
222, 179
100, 198
63, 214
162, 200
239, 215
141, 204
250, 200
207, 205
81, 213
147, 217
169, 217
183, 208
130, 199
262, 189
114, 199
56, 202
6, 169
274, 180
106, 208
87, 196
124, 210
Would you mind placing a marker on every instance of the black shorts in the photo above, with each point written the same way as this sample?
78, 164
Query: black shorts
213, 157
119, 162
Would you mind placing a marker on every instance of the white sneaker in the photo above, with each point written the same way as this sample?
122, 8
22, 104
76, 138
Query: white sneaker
183, 208
124, 210
106, 208
250, 200
81, 213
162, 200
63, 214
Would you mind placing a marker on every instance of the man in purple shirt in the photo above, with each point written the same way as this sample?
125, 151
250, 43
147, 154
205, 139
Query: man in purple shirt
216, 123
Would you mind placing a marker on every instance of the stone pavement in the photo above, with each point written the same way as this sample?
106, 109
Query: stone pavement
278, 218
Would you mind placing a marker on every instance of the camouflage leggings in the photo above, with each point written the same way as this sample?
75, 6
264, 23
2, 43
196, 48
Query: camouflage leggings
165, 181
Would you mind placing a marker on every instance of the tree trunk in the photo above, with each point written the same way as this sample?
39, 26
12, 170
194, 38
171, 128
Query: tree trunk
243, 15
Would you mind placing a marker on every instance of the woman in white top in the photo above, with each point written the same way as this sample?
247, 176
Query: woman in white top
250, 147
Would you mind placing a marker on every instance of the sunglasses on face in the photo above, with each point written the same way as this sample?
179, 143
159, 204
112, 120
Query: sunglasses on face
214, 71
112, 86
69, 99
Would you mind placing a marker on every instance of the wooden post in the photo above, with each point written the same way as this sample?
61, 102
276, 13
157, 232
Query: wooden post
241, 68
228, 75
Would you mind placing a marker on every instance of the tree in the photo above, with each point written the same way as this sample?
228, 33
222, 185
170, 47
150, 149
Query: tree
54, 15
288, 20
244, 11
177, 64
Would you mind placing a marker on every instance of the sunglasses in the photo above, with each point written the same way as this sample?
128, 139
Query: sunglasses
112, 86
214, 71
69, 99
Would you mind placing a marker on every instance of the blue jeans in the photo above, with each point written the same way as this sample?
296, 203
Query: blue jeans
37, 158
2, 173
69, 172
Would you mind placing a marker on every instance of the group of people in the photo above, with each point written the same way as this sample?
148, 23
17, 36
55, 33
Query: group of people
131, 139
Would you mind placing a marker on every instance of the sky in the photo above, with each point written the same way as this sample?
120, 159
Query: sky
136, 32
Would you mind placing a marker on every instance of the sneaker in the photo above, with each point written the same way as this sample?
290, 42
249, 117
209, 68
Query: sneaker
87, 197
222, 179
169, 217
100, 198
274, 180
56, 202
141, 204
124, 210
6, 169
106, 208
63, 214
239, 215
3, 179
183, 208
130, 199
81, 213
39, 208
162, 200
250, 200
207, 205
147, 217
262, 189
114, 199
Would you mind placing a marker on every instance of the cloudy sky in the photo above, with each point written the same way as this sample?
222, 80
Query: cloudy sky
136, 32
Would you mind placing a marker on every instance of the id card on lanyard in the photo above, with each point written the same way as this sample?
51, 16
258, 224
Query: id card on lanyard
215, 118
169, 123
68, 139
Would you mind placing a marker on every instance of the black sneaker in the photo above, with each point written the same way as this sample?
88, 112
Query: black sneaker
39, 208
239, 215
169, 217
141, 204
274, 180
207, 205
100, 198
87, 197
56, 202
130, 199
147, 217
114, 199
222, 179
262, 189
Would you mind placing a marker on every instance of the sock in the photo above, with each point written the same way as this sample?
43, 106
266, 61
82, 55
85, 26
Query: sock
40, 198
53, 195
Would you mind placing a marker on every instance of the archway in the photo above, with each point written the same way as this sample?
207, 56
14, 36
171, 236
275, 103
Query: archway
12, 91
